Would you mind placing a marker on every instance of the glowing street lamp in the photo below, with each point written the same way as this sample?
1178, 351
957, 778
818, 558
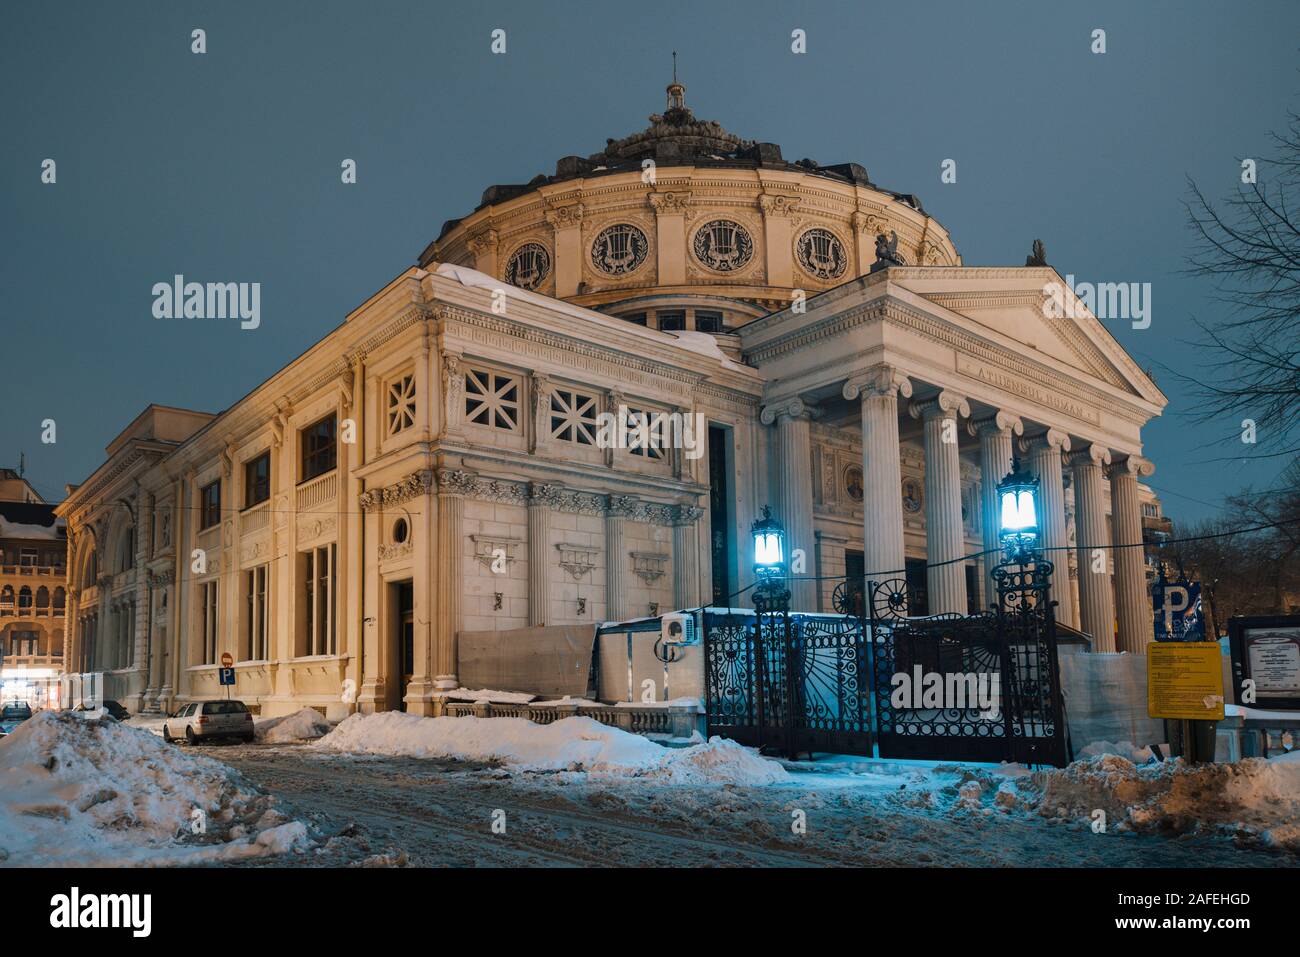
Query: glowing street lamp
1018, 525
769, 547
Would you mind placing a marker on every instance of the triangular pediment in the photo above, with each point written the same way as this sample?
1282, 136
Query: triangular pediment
1009, 303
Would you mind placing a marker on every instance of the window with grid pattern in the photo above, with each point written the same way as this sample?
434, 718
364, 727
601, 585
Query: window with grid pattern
573, 417
492, 399
645, 433
401, 404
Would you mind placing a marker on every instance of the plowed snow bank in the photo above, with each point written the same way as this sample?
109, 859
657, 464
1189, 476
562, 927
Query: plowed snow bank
98, 793
570, 744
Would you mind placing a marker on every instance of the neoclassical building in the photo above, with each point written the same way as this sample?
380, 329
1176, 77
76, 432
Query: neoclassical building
33, 596
436, 464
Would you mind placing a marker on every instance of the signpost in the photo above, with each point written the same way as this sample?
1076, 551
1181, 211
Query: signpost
226, 675
1184, 669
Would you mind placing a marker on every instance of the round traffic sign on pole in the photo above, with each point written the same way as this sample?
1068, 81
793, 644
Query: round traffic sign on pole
227, 660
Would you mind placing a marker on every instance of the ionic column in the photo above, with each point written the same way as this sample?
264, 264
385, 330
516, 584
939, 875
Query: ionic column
539, 566
1096, 607
1045, 461
1132, 604
686, 552
620, 506
794, 491
996, 435
943, 526
882, 472
450, 572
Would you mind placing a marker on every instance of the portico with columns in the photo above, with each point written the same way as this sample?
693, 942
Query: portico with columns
925, 384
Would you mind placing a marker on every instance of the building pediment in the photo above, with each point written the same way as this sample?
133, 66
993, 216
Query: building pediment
1014, 305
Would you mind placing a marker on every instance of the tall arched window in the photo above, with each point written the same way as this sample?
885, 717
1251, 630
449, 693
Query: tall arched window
24, 600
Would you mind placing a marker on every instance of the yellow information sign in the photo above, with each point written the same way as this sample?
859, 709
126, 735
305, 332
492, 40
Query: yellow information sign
1185, 680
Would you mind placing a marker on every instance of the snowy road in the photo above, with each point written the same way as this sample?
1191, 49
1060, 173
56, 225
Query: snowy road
440, 813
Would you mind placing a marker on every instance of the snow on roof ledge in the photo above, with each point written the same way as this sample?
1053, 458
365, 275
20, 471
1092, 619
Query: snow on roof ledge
696, 343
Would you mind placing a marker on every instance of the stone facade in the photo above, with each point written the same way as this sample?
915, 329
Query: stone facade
430, 467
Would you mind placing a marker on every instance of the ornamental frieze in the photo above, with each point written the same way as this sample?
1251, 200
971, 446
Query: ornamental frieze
413, 486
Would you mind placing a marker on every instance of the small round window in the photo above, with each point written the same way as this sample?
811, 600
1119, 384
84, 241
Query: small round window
400, 531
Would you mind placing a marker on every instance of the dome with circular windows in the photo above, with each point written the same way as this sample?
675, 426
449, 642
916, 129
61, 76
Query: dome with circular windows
687, 226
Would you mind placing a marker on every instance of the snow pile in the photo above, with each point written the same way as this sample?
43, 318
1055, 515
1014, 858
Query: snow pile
300, 726
487, 694
98, 793
1125, 749
1253, 798
570, 744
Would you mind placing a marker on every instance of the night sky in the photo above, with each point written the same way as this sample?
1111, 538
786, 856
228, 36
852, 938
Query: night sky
226, 166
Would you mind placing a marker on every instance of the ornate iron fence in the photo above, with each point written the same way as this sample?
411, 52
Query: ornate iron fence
795, 683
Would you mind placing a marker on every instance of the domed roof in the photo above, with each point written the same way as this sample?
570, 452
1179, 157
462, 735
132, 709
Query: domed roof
676, 138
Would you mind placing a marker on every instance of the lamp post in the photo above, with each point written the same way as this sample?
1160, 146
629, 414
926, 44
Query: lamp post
773, 699
1018, 522
770, 591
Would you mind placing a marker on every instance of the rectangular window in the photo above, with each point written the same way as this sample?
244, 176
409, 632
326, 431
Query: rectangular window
708, 321
210, 505
646, 432
318, 588
401, 404
636, 318
671, 321
573, 417
492, 399
27, 556
208, 625
256, 627
257, 480
319, 449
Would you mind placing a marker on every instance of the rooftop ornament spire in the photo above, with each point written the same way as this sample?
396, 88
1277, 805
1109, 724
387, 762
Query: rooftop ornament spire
676, 96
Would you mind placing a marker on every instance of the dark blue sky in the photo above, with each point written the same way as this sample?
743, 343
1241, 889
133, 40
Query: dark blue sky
226, 166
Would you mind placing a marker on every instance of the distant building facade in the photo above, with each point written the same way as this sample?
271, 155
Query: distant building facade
33, 594
436, 463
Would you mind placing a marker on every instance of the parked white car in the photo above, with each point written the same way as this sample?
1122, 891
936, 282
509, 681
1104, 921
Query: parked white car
209, 720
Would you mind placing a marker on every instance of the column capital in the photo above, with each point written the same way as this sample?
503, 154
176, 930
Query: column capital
792, 408
778, 204
565, 217
1133, 465
1051, 439
945, 405
669, 203
999, 422
878, 380
1091, 454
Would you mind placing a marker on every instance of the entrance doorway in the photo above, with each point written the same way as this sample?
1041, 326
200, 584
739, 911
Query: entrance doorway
403, 646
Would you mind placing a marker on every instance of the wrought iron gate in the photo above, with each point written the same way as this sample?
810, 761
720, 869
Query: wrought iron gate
802, 687
800, 683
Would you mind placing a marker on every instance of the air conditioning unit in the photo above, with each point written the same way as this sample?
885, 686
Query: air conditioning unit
678, 629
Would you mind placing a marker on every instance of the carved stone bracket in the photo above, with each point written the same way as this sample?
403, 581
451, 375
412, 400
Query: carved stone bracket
577, 560
649, 566
486, 547
670, 204
775, 204
563, 217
